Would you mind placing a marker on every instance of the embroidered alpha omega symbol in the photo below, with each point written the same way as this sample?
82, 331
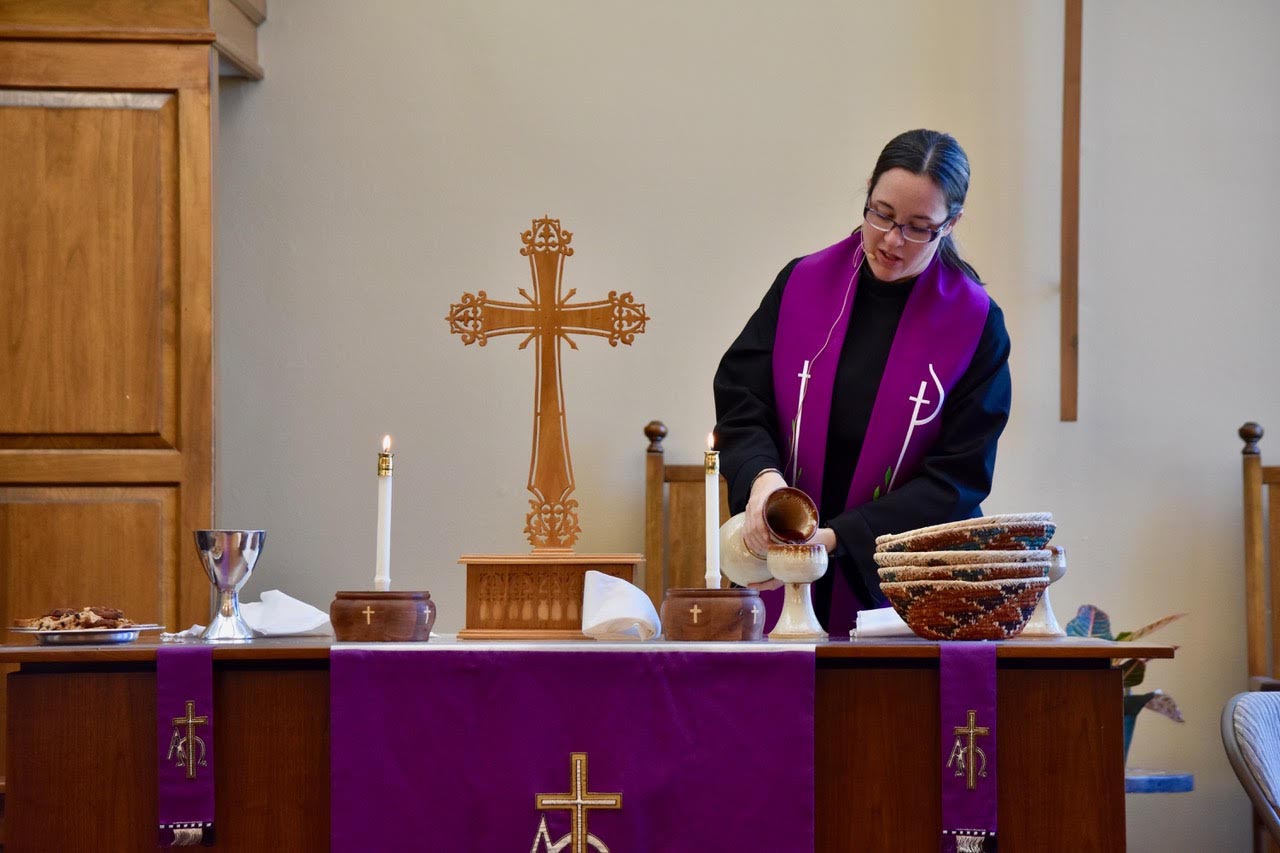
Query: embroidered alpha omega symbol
182, 746
969, 759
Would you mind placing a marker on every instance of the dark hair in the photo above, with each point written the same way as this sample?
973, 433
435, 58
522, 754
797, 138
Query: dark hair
938, 156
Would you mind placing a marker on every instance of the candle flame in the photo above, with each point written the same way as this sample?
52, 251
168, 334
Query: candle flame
386, 444
711, 441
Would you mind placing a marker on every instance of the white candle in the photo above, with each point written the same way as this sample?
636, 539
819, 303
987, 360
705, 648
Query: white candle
712, 468
382, 570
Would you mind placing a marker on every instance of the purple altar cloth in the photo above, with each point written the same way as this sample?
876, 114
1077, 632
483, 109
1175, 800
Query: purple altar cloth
967, 688
184, 741
450, 748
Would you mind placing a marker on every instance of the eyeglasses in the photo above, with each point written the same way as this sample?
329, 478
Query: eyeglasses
910, 233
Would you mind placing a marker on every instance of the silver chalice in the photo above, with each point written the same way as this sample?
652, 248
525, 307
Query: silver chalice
228, 557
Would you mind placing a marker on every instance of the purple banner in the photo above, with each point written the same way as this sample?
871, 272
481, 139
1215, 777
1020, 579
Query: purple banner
184, 738
651, 748
967, 687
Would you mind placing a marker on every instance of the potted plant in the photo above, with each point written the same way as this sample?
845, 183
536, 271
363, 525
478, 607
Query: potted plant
1090, 621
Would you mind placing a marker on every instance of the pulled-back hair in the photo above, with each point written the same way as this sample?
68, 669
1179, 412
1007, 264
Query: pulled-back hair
938, 156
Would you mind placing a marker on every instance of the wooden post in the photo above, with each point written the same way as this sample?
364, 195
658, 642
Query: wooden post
654, 484
1255, 604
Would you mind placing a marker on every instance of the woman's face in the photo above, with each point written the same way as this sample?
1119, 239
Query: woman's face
910, 200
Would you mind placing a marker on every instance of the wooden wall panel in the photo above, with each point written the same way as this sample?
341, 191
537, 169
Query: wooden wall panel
106, 371
87, 261
106, 15
70, 547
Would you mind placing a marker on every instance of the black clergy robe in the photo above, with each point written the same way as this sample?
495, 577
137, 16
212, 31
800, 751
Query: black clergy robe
954, 476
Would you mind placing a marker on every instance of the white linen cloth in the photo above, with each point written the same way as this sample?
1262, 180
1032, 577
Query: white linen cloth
276, 615
881, 622
613, 609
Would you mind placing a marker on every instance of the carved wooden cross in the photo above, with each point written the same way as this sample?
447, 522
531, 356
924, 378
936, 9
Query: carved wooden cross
547, 318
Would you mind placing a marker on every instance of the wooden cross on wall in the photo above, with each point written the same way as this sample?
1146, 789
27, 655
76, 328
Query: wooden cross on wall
1069, 299
546, 318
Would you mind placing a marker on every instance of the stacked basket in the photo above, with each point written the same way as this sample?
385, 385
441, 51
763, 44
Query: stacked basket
977, 579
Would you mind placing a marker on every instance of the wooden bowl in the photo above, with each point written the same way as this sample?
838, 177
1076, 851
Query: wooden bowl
712, 614
887, 559
965, 610
382, 617
966, 572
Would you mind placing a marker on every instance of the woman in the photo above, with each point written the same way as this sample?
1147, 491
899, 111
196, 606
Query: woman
874, 376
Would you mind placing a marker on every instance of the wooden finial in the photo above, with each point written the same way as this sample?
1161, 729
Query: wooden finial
655, 431
1251, 434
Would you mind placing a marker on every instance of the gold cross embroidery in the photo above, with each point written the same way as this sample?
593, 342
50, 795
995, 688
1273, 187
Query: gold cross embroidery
186, 746
579, 800
971, 752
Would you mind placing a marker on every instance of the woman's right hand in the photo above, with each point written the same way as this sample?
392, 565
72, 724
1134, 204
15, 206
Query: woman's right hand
755, 535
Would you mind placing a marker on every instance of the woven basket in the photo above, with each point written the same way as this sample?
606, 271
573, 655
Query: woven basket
887, 559
964, 610
992, 536
966, 572
980, 521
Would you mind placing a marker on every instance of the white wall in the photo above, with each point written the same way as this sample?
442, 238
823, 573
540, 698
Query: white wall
397, 149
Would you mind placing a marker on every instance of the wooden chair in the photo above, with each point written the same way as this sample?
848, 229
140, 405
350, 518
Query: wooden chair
674, 519
1261, 561
1261, 581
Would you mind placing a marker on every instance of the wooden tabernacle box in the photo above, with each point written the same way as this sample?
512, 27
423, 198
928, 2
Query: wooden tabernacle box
534, 596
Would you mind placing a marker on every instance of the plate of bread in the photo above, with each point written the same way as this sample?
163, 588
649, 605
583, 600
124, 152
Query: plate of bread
83, 626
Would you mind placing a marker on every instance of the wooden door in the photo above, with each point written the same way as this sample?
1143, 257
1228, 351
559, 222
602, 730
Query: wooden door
105, 319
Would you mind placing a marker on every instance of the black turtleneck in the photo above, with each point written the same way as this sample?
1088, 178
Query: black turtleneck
955, 475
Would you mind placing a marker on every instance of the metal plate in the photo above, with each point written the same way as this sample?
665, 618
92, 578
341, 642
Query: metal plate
87, 636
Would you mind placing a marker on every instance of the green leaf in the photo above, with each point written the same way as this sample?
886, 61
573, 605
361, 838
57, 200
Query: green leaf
876, 494
1090, 622
1154, 626
888, 475
1132, 672
1123, 635
1164, 705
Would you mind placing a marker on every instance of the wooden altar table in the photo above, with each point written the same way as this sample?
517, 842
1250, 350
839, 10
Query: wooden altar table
81, 771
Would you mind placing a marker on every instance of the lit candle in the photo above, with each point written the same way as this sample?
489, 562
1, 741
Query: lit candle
712, 468
382, 571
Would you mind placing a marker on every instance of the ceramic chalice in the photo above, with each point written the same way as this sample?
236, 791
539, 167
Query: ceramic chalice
798, 566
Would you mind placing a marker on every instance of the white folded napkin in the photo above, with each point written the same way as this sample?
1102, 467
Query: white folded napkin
881, 622
613, 609
276, 615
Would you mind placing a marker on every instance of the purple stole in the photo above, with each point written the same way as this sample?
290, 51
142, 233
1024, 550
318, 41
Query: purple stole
935, 341
967, 689
184, 742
